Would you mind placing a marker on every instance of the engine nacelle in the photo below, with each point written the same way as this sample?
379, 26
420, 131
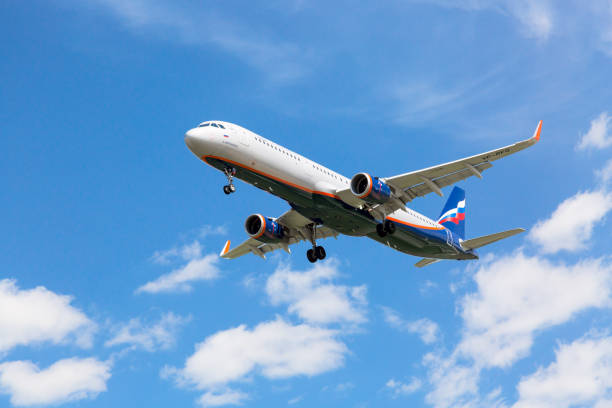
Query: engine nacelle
370, 189
263, 229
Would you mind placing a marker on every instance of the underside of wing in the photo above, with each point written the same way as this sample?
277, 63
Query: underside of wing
296, 228
408, 186
421, 182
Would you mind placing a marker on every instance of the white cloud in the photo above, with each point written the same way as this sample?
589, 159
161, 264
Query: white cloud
424, 328
39, 315
274, 349
186, 253
571, 225
66, 380
580, 376
207, 230
279, 60
180, 280
605, 174
398, 388
599, 135
453, 384
516, 297
313, 297
137, 335
226, 397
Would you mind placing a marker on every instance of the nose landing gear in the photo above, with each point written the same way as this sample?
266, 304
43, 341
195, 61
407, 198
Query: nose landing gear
317, 252
230, 172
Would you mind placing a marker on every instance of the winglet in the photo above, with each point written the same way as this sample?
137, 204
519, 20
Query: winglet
536, 134
225, 249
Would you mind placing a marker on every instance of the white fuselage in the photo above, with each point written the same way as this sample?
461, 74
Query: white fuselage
240, 146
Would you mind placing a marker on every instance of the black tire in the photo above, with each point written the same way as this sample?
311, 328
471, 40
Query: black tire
380, 230
312, 257
320, 252
232, 188
390, 227
226, 190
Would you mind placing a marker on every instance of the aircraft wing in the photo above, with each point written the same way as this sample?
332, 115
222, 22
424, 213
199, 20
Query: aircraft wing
409, 186
297, 228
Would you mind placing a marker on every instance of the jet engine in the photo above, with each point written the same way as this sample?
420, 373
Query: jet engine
370, 189
263, 229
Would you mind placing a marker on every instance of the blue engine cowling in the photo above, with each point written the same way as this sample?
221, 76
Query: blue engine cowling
263, 229
370, 189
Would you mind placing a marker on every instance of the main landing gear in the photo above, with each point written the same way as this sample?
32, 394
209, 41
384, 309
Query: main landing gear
230, 172
317, 252
387, 227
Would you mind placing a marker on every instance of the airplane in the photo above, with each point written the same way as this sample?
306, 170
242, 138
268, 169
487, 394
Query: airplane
325, 203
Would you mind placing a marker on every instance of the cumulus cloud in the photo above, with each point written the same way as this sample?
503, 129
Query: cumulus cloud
570, 226
581, 375
398, 388
274, 349
149, 337
424, 328
599, 135
516, 297
66, 380
199, 268
39, 315
314, 297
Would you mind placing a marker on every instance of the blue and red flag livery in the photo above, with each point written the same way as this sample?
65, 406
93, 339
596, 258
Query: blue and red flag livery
453, 213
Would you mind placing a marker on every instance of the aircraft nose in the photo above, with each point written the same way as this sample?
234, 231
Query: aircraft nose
190, 138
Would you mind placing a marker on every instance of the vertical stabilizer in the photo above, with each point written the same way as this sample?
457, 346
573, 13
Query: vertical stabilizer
453, 214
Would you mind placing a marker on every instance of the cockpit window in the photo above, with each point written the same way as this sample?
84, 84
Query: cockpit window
204, 124
221, 126
214, 124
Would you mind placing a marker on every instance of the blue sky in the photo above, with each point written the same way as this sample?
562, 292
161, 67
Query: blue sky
111, 291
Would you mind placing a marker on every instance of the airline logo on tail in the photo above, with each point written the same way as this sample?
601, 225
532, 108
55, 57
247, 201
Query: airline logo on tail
454, 215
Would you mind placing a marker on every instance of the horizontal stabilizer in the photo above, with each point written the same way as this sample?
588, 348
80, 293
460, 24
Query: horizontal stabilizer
489, 239
426, 261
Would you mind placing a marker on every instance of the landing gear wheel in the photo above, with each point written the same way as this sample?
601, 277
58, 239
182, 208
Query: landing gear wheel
229, 173
380, 230
312, 257
320, 252
389, 227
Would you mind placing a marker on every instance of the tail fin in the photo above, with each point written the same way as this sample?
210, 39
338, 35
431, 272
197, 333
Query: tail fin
453, 214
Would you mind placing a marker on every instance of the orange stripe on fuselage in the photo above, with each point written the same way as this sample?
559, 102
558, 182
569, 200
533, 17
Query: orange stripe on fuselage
415, 225
306, 189
270, 176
